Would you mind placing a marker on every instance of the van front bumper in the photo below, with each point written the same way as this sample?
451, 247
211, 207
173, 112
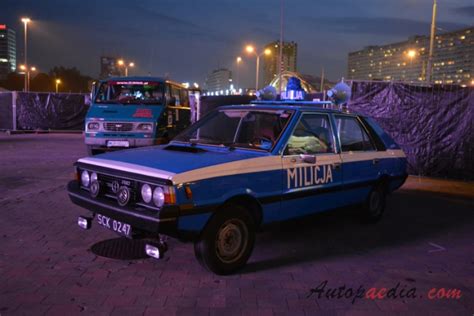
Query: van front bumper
101, 142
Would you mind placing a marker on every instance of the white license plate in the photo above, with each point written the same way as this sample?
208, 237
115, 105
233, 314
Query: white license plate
118, 143
117, 226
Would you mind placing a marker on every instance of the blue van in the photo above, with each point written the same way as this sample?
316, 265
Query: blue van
130, 112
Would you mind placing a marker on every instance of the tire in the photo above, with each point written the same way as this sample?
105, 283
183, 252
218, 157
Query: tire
91, 151
226, 256
374, 206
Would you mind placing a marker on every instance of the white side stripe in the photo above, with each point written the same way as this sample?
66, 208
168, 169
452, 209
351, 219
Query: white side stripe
267, 163
128, 167
367, 155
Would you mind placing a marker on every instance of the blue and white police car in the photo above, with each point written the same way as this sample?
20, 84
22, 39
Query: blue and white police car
236, 169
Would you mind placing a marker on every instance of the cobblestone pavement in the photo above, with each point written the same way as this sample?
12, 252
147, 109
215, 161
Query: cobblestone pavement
50, 266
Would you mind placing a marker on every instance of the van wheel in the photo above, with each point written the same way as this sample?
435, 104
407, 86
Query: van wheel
374, 206
227, 241
91, 151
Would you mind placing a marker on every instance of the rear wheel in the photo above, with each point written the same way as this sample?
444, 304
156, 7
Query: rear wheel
374, 206
227, 240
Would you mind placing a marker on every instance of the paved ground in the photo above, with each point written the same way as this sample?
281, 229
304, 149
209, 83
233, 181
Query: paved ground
49, 266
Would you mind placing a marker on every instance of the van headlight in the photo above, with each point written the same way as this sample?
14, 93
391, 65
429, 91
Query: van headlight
147, 193
147, 127
159, 196
93, 125
85, 178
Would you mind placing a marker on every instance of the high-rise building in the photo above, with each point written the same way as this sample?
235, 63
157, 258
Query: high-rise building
7, 51
219, 81
270, 64
109, 67
453, 60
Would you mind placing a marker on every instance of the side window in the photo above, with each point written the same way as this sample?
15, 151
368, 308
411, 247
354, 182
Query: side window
312, 135
175, 94
184, 97
352, 136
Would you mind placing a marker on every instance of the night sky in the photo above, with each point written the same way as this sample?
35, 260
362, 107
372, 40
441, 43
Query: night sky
188, 39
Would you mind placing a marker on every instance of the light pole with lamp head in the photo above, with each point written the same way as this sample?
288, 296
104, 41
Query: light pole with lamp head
251, 50
122, 63
58, 82
25, 21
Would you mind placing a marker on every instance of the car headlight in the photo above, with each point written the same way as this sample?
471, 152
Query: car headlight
93, 125
147, 193
145, 127
93, 177
159, 197
85, 178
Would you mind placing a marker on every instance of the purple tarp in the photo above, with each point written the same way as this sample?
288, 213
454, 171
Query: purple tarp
433, 125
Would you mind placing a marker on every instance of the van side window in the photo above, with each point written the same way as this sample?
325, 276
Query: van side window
176, 95
352, 135
184, 97
312, 135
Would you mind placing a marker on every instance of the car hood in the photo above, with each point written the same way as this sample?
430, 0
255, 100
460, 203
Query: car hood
169, 160
127, 112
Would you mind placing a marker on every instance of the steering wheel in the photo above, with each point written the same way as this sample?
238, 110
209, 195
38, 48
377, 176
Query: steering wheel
257, 141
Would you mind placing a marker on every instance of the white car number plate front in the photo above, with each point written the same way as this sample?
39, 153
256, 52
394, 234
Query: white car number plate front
118, 143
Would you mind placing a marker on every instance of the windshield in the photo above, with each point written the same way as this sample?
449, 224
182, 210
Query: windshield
127, 92
256, 129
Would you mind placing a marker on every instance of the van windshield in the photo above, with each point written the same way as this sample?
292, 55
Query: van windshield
130, 92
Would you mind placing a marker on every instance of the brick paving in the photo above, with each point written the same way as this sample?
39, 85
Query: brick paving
47, 266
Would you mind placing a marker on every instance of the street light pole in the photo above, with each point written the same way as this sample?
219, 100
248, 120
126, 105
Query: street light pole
280, 58
251, 49
257, 73
237, 79
58, 82
432, 37
27, 75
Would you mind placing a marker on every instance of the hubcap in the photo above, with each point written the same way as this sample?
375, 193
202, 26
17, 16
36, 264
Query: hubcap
231, 241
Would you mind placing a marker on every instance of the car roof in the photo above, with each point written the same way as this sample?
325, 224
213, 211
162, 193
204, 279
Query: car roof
319, 106
135, 78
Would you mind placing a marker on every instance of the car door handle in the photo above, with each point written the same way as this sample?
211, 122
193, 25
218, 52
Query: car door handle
375, 161
336, 165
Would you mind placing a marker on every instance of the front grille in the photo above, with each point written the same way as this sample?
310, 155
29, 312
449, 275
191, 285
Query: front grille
110, 184
118, 127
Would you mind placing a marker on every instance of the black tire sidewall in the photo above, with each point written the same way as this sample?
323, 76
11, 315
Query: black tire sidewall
369, 214
205, 247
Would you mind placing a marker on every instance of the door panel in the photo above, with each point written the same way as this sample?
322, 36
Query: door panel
311, 168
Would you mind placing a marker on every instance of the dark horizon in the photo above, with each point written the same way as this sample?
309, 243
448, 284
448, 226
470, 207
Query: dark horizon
187, 42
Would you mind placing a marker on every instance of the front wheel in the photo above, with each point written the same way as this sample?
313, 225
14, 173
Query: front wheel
227, 240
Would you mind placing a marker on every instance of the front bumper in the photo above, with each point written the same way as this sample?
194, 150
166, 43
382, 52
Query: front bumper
162, 222
101, 141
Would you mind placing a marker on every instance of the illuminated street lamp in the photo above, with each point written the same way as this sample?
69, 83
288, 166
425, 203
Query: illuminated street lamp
58, 82
251, 50
122, 63
27, 75
25, 21
238, 60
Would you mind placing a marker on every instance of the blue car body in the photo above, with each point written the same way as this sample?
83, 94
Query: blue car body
274, 185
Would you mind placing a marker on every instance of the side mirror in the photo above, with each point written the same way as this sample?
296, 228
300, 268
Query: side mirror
93, 90
308, 158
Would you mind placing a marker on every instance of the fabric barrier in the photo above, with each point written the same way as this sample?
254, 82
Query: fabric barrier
6, 113
433, 125
53, 111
